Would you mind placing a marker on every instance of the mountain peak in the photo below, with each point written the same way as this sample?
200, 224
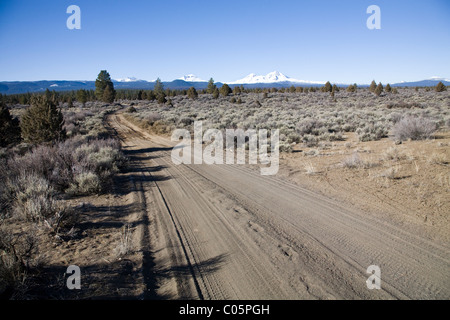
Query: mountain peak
271, 77
191, 78
128, 79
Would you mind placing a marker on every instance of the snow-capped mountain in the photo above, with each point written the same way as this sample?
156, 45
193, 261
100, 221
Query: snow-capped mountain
128, 79
191, 78
272, 77
439, 79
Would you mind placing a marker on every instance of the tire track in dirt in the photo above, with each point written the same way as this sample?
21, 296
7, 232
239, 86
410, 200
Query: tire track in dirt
225, 232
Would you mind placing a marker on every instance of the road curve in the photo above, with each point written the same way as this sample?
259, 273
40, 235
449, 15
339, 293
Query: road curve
226, 232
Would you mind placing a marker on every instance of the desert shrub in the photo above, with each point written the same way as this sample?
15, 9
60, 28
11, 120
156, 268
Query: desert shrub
85, 183
372, 132
310, 140
17, 256
131, 109
414, 128
309, 126
285, 147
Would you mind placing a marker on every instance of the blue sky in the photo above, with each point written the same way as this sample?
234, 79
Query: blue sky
309, 40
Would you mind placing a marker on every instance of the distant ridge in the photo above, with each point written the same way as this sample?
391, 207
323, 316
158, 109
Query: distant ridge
273, 79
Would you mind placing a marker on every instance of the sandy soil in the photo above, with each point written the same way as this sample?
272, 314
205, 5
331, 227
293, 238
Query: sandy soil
408, 184
226, 232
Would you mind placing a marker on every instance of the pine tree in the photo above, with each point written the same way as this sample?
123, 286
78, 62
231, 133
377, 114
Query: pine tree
211, 86
102, 82
440, 87
236, 90
192, 93
225, 90
9, 127
373, 86
351, 88
42, 121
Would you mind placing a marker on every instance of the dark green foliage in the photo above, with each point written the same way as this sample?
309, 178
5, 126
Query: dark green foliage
215, 93
440, 87
102, 83
237, 90
159, 87
192, 93
225, 90
70, 102
9, 127
42, 121
327, 87
108, 94
151, 95
211, 86
82, 96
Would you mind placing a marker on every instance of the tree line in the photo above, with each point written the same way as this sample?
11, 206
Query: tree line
104, 91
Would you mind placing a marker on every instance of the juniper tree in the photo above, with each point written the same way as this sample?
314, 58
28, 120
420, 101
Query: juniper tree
9, 127
159, 86
216, 93
373, 86
192, 93
327, 87
388, 88
351, 88
225, 90
440, 87
42, 121
378, 89
108, 95
211, 86
82, 96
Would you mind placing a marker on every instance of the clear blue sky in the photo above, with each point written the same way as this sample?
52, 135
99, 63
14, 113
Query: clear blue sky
309, 40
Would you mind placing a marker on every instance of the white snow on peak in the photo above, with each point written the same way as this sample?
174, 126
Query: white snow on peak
439, 78
128, 79
191, 78
271, 77
54, 85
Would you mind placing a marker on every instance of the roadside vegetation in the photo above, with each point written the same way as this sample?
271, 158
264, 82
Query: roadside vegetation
50, 154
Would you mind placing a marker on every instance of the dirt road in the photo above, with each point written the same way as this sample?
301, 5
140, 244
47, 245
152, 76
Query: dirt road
226, 232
